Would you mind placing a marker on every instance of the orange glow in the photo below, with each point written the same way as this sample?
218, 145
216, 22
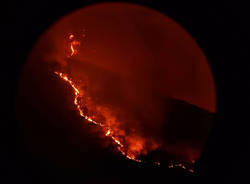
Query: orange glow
118, 76
74, 45
124, 94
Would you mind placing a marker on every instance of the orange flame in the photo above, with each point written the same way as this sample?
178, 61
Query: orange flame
74, 45
108, 130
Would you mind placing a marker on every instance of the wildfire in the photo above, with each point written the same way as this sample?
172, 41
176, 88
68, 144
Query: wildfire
109, 133
107, 129
136, 143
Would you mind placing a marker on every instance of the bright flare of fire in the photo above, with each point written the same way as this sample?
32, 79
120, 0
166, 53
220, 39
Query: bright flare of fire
74, 45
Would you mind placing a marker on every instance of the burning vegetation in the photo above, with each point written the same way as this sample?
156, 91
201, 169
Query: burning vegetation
129, 143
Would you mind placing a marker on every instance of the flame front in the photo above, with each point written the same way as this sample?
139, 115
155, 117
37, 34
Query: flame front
109, 133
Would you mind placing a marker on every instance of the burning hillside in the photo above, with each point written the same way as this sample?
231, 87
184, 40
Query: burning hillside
125, 78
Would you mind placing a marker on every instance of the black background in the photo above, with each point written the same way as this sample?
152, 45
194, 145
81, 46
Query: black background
221, 29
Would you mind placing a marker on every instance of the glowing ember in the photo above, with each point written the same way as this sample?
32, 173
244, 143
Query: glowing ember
74, 45
181, 165
71, 36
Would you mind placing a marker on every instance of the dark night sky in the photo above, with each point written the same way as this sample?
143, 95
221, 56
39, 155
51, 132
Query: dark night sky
223, 33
